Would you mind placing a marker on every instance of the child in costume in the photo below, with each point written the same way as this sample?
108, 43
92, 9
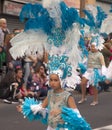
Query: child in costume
62, 110
93, 73
55, 27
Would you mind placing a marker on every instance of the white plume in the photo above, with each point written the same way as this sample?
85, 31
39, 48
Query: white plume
30, 41
106, 25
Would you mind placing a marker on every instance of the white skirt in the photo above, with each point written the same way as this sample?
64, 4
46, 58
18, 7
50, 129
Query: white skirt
89, 75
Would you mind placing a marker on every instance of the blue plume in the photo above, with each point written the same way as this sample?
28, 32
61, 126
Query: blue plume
90, 21
82, 67
60, 62
101, 15
83, 46
56, 37
67, 69
68, 17
98, 77
73, 121
37, 18
27, 112
90, 18
26, 12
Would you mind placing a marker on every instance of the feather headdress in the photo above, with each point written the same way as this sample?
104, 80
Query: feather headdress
55, 27
95, 16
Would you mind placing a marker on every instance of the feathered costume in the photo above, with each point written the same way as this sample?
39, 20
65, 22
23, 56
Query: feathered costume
99, 23
73, 121
96, 23
55, 27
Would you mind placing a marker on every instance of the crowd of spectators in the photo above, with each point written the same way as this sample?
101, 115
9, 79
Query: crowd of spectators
22, 77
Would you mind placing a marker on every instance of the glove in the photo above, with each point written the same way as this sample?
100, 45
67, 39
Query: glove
104, 70
36, 108
77, 111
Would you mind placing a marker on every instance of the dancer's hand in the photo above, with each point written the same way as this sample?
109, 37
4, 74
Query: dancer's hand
36, 108
19, 108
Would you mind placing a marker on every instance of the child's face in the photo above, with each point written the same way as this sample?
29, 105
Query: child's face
93, 48
54, 82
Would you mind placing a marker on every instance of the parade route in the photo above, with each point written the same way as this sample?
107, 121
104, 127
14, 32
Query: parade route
104, 128
99, 117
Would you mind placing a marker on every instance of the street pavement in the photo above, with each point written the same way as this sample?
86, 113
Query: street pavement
109, 127
98, 116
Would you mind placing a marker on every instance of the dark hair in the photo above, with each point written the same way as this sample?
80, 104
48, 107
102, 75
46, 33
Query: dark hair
18, 69
15, 29
38, 67
110, 35
105, 36
2, 47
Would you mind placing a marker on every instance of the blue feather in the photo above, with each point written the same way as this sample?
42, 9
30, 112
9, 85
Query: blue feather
101, 15
60, 62
98, 77
73, 121
68, 17
27, 112
90, 21
37, 18
83, 46
82, 67
26, 12
90, 18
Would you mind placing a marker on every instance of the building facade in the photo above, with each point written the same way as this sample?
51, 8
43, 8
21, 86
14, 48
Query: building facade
10, 10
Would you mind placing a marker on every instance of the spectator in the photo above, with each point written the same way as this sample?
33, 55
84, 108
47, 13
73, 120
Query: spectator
5, 91
38, 82
106, 50
21, 91
2, 57
3, 31
18, 89
29, 61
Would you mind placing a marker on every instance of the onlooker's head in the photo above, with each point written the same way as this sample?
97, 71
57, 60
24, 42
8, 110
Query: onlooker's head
1, 49
19, 73
105, 36
3, 23
110, 35
40, 69
16, 31
10, 66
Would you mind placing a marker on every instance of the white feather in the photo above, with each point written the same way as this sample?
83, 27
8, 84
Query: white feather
49, 3
106, 25
72, 47
109, 71
30, 41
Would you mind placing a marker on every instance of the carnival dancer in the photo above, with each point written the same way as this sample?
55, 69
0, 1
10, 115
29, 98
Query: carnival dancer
52, 26
93, 73
63, 113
